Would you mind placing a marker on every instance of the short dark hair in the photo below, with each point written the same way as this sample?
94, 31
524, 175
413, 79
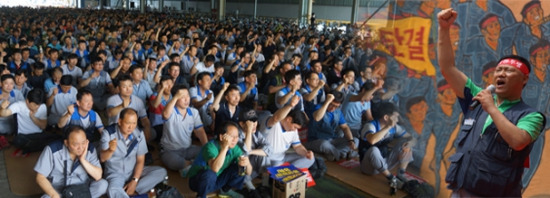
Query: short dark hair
36, 96
134, 67
66, 80
97, 59
38, 65
412, 101
247, 73
485, 18
201, 75
177, 87
123, 77
104, 52
528, 6
164, 77
368, 86
209, 58
21, 72
383, 108
5, 77
173, 55
81, 93
231, 87
291, 74
298, 117
540, 44
348, 70
218, 65
172, 64
224, 127
72, 56
53, 51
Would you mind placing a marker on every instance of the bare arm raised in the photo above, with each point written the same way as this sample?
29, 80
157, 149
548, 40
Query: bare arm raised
446, 58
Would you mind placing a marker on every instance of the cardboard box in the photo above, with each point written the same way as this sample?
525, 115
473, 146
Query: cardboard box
288, 182
295, 188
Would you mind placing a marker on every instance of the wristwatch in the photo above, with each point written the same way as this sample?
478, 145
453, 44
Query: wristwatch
135, 179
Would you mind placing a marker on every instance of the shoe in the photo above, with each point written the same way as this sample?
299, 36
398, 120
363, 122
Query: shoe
393, 185
19, 153
397, 182
229, 194
402, 177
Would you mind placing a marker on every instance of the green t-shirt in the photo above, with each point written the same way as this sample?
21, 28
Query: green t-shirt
531, 123
210, 151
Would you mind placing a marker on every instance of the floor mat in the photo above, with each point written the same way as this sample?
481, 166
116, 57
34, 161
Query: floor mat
376, 186
21, 174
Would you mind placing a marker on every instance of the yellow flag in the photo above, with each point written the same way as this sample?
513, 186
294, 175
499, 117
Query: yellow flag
406, 40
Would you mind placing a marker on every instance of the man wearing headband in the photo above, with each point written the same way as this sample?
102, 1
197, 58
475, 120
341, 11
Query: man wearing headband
488, 76
537, 94
483, 48
529, 31
496, 136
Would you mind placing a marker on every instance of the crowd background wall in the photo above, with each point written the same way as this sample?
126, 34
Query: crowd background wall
403, 39
405, 35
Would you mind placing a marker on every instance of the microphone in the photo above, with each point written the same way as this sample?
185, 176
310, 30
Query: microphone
474, 104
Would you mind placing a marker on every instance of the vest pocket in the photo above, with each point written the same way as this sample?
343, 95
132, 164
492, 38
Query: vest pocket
487, 178
499, 149
463, 133
456, 161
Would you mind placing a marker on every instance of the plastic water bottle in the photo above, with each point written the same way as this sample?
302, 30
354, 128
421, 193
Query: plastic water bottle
242, 169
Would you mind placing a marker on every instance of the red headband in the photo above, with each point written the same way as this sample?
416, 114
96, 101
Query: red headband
515, 63
440, 89
539, 49
530, 7
489, 20
489, 71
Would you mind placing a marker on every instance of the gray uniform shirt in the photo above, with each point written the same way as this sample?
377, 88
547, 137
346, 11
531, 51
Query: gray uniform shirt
121, 162
51, 164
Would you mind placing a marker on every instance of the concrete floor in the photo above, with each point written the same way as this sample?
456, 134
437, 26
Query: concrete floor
4, 185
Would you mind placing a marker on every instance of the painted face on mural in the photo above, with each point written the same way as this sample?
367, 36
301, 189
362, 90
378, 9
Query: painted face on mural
428, 6
541, 60
417, 112
534, 16
489, 79
455, 37
492, 30
447, 96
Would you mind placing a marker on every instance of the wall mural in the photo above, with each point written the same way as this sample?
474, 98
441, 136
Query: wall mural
404, 38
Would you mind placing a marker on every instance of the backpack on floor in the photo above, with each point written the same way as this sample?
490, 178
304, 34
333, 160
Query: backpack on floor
166, 191
418, 190
318, 169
